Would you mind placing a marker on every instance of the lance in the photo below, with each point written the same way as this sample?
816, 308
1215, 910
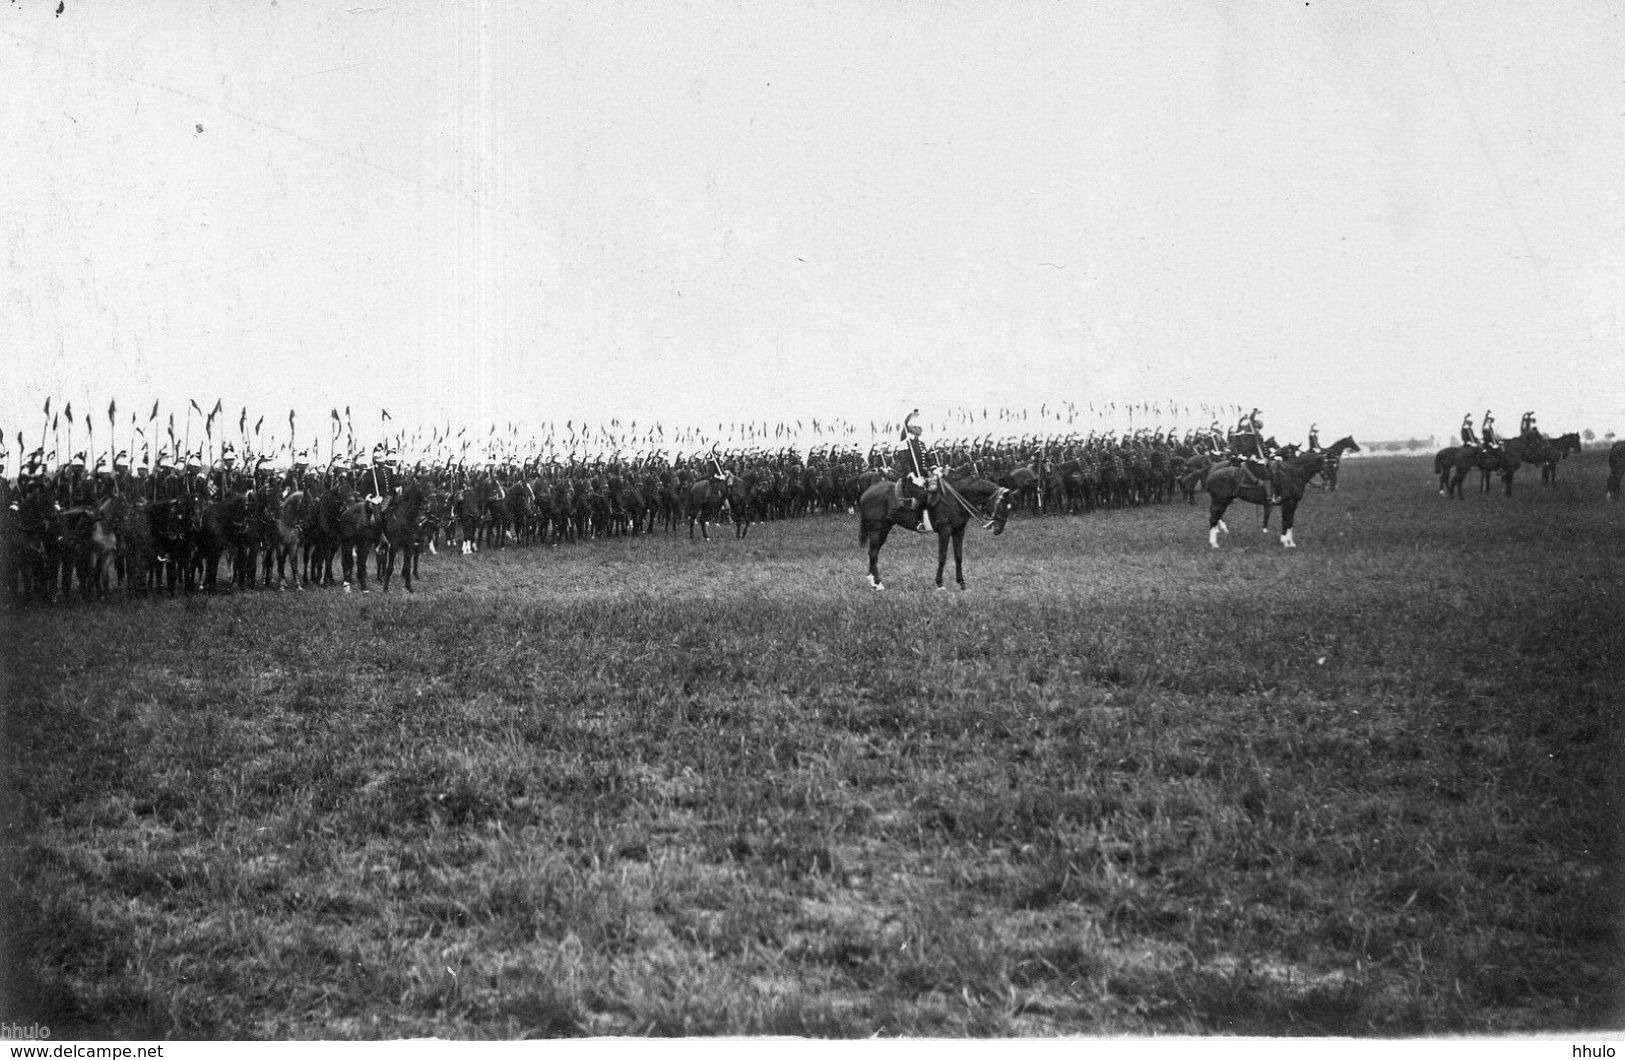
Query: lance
190, 408
67, 411
208, 433
90, 444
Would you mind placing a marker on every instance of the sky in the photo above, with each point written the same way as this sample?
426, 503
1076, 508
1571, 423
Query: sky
1373, 217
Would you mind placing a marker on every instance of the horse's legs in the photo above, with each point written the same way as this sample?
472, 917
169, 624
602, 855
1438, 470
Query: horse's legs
877, 538
1215, 519
942, 552
1289, 511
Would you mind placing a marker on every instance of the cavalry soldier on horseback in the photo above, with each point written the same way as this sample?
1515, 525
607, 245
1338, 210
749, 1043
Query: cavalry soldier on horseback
1259, 467
1314, 438
1528, 426
1468, 435
922, 480
166, 483
74, 488
1491, 441
719, 474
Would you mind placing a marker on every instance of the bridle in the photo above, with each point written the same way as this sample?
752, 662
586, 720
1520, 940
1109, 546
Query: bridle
988, 516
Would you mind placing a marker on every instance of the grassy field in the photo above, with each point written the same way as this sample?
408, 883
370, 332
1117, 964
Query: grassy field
1124, 784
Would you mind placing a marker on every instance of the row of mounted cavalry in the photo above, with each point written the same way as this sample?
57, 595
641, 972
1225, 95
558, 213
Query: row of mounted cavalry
67, 532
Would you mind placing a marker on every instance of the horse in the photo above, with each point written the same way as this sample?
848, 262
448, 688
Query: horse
107, 543
361, 527
743, 496
30, 528
1025, 485
1444, 461
169, 522
73, 555
1616, 469
402, 522
225, 524
1551, 451
1506, 460
319, 533
292, 515
1334, 460
951, 511
1194, 474
1225, 484
704, 505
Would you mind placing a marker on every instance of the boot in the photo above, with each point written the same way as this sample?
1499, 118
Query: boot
925, 521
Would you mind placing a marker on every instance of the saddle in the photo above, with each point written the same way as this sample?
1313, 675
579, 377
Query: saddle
1259, 478
908, 497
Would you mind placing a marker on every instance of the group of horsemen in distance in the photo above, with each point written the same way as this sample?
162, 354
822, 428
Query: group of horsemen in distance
173, 521
1487, 452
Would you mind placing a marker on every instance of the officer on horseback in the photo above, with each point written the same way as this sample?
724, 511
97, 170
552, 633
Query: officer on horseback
719, 475
1259, 466
1468, 435
1490, 439
921, 480
1314, 438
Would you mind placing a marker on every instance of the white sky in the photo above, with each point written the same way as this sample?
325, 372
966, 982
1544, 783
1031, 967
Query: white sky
1377, 216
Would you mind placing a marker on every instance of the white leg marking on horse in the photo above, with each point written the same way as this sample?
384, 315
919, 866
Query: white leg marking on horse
1223, 529
1213, 537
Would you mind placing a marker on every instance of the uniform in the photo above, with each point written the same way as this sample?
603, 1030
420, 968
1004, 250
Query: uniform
919, 473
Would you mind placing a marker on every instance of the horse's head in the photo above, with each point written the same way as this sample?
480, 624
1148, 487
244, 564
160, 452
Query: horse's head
999, 505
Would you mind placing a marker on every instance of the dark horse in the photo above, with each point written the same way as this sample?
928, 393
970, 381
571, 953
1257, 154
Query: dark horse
1506, 460
402, 526
1551, 452
705, 499
1616, 469
361, 527
1225, 484
951, 512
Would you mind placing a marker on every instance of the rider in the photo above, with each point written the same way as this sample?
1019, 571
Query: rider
1468, 435
1260, 464
1529, 425
1490, 439
924, 478
1314, 438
